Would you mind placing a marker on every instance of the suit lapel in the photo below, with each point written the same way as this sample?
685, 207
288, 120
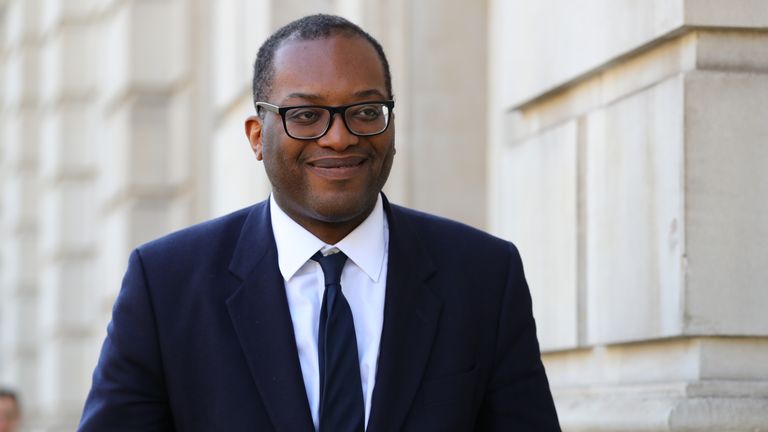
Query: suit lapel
411, 315
262, 321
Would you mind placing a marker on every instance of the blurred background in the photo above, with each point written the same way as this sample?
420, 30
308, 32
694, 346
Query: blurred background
621, 144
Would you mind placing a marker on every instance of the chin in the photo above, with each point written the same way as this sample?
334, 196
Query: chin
343, 207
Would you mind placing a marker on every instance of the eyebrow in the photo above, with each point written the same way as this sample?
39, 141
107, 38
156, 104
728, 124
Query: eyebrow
315, 97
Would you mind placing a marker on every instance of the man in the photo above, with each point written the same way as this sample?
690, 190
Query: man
325, 307
10, 413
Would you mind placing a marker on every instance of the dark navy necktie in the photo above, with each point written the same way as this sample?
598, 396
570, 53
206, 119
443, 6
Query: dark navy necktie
341, 391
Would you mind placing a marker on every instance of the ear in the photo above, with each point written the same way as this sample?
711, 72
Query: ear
253, 128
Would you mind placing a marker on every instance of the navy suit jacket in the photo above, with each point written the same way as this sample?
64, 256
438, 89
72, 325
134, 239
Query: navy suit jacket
201, 336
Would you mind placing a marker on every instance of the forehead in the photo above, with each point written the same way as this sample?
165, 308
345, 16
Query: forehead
332, 68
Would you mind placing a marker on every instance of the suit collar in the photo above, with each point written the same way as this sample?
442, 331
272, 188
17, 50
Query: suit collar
411, 314
261, 318
366, 245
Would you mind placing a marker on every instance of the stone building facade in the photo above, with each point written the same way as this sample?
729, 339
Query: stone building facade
622, 145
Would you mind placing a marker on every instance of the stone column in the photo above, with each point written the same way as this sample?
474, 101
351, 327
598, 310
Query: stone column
438, 58
19, 230
68, 209
628, 158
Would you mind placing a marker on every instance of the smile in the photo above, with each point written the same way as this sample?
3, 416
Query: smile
337, 168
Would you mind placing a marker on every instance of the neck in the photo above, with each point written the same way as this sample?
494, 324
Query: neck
328, 229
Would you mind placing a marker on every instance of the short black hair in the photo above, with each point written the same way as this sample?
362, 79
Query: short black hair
310, 27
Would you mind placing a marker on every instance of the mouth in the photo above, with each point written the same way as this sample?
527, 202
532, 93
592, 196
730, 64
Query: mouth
337, 168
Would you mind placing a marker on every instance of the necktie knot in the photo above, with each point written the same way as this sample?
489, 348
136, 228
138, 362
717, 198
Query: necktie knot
332, 266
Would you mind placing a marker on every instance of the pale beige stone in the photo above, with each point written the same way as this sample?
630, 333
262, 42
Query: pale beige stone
537, 59
141, 150
23, 20
675, 406
20, 202
65, 290
20, 263
635, 217
20, 139
233, 163
54, 13
726, 206
68, 217
733, 358
446, 99
69, 59
538, 184
149, 45
68, 136
21, 77
737, 51
726, 13
64, 381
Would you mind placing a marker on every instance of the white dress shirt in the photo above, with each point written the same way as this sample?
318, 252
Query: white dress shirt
363, 282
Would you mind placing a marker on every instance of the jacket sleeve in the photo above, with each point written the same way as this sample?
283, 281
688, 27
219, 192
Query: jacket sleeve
518, 397
128, 390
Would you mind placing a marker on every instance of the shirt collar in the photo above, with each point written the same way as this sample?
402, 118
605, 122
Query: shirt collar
366, 245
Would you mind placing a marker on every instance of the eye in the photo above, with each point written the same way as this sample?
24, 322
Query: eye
303, 115
366, 112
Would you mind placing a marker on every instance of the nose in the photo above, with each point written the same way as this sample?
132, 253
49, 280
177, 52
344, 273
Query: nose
338, 136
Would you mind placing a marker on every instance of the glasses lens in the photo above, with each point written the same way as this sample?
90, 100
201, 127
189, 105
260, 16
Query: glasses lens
367, 118
306, 122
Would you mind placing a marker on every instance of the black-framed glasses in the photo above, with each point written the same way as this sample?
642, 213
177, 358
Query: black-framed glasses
306, 122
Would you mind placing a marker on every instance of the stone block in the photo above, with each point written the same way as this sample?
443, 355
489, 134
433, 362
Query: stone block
20, 139
144, 146
65, 374
733, 358
21, 78
23, 18
68, 219
237, 179
635, 363
255, 18
737, 51
56, 12
286, 11
553, 58
704, 407
634, 216
20, 263
68, 135
448, 157
525, 27
70, 64
147, 46
66, 287
726, 13
726, 205
538, 188
136, 221
22, 322
230, 79
20, 202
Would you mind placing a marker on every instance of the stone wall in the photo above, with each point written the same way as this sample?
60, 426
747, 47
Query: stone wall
628, 163
619, 144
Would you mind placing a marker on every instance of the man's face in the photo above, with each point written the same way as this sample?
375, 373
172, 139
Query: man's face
334, 179
9, 415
